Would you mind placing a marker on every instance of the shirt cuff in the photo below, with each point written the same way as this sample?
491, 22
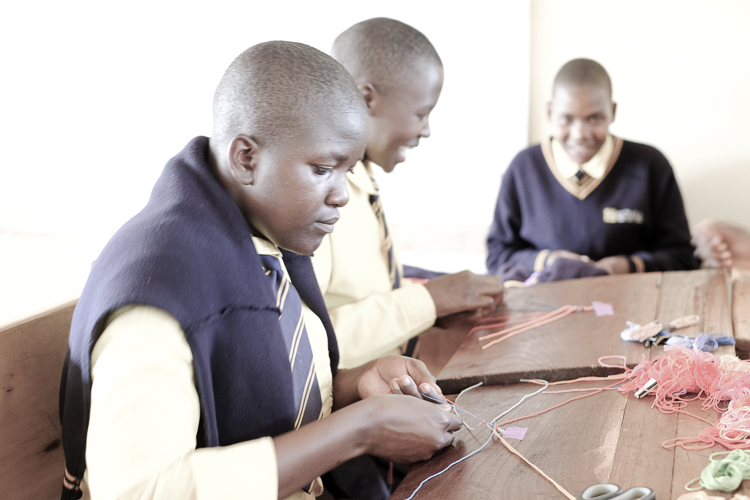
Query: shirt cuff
541, 259
416, 307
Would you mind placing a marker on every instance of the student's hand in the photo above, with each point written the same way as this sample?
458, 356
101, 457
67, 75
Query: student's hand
386, 375
407, 430
710, 246
465, 291
397, 375
565, 254
616, 264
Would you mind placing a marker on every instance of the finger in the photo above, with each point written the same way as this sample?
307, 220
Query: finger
454, 422
408, 387
395, 386
432, 391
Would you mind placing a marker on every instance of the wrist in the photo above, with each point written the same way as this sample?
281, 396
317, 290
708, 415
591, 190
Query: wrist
366, 422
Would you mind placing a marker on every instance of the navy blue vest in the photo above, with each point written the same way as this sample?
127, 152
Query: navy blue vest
190, 253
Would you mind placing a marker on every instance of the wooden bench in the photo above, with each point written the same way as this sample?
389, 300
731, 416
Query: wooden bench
32, 352
741, 316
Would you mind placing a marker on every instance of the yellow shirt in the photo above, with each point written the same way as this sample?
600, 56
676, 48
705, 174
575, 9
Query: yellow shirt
595, 167
369, 317
145, 413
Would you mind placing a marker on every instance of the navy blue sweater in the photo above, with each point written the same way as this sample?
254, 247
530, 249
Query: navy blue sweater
534, 212
190, 253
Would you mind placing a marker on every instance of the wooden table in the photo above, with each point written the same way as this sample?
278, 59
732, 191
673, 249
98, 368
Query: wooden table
741, 316
570, 348
604, 438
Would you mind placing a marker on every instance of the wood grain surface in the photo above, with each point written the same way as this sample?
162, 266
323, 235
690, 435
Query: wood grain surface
741, 316
32, 352
604, 438
571, 347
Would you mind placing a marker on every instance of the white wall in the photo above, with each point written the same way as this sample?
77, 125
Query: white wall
681, 74
96, 96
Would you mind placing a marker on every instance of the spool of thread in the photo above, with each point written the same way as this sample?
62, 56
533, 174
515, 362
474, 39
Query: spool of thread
724, 474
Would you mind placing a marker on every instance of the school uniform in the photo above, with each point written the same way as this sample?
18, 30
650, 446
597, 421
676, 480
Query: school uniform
624, 201
373, 309
178, 373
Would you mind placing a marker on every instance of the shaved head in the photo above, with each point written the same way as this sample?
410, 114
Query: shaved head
273, 90
383, 52
582, 73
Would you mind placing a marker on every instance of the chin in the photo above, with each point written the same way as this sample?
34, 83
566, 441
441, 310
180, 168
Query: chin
302, 247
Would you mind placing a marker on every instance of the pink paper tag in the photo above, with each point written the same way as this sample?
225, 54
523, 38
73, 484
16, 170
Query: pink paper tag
515, 433
602, 308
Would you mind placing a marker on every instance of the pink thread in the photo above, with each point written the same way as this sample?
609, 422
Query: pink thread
534, 323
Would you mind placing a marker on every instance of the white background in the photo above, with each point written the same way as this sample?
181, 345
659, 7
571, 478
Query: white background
96, 96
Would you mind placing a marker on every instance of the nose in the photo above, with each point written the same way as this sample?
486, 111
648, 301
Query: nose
425, 132
579, 130
338, 196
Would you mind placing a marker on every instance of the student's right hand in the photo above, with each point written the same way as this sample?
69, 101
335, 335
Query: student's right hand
404, 429
565, 254
465, 291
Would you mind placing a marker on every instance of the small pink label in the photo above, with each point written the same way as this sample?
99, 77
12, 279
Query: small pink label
602, 308
515, 433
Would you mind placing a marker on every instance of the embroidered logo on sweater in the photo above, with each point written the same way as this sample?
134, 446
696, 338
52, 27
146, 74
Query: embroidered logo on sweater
622, 216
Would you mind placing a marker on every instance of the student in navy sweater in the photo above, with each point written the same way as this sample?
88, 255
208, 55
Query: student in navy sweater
202, 361
585, 202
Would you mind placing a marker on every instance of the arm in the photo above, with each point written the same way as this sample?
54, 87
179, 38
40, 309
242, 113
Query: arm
504, 242
370, 318
145, 414
669, 233
401, 429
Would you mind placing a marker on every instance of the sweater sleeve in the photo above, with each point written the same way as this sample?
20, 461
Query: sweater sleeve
669, 234
504, 241
144, 421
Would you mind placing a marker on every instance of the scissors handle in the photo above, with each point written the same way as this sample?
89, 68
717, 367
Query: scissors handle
600, 492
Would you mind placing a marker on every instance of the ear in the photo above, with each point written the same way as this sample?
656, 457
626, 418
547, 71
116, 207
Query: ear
243, 159
371, 95
549, 111
614, 109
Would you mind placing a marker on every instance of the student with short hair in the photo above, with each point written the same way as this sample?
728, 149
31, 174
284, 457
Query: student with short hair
202, 362
373, 308
584, 202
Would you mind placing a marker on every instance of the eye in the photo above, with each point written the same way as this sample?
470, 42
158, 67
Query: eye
322, 170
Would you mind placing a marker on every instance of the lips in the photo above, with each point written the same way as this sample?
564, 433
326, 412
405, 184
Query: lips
327, 225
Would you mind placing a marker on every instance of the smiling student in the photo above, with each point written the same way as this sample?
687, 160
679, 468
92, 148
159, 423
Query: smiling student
585, 202
202, 362
373, 308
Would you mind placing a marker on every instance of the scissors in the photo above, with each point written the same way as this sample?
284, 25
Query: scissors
614, 492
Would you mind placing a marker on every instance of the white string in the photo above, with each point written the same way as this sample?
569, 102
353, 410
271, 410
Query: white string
456, 401
494, 428
546, 384
454, 463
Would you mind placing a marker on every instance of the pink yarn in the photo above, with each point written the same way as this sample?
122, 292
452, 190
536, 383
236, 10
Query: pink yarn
685, 375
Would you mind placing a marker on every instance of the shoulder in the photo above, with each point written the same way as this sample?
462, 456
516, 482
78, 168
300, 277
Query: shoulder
528, 160
644, 153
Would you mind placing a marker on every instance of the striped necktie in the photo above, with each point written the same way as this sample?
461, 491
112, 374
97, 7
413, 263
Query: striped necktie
307, 398
377, 207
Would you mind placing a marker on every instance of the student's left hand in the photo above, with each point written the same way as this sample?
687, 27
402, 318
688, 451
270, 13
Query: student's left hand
614, 265
386, 375
398, 375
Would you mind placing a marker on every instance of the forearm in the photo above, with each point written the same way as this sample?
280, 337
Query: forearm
314, 449
671, 259
369, 328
